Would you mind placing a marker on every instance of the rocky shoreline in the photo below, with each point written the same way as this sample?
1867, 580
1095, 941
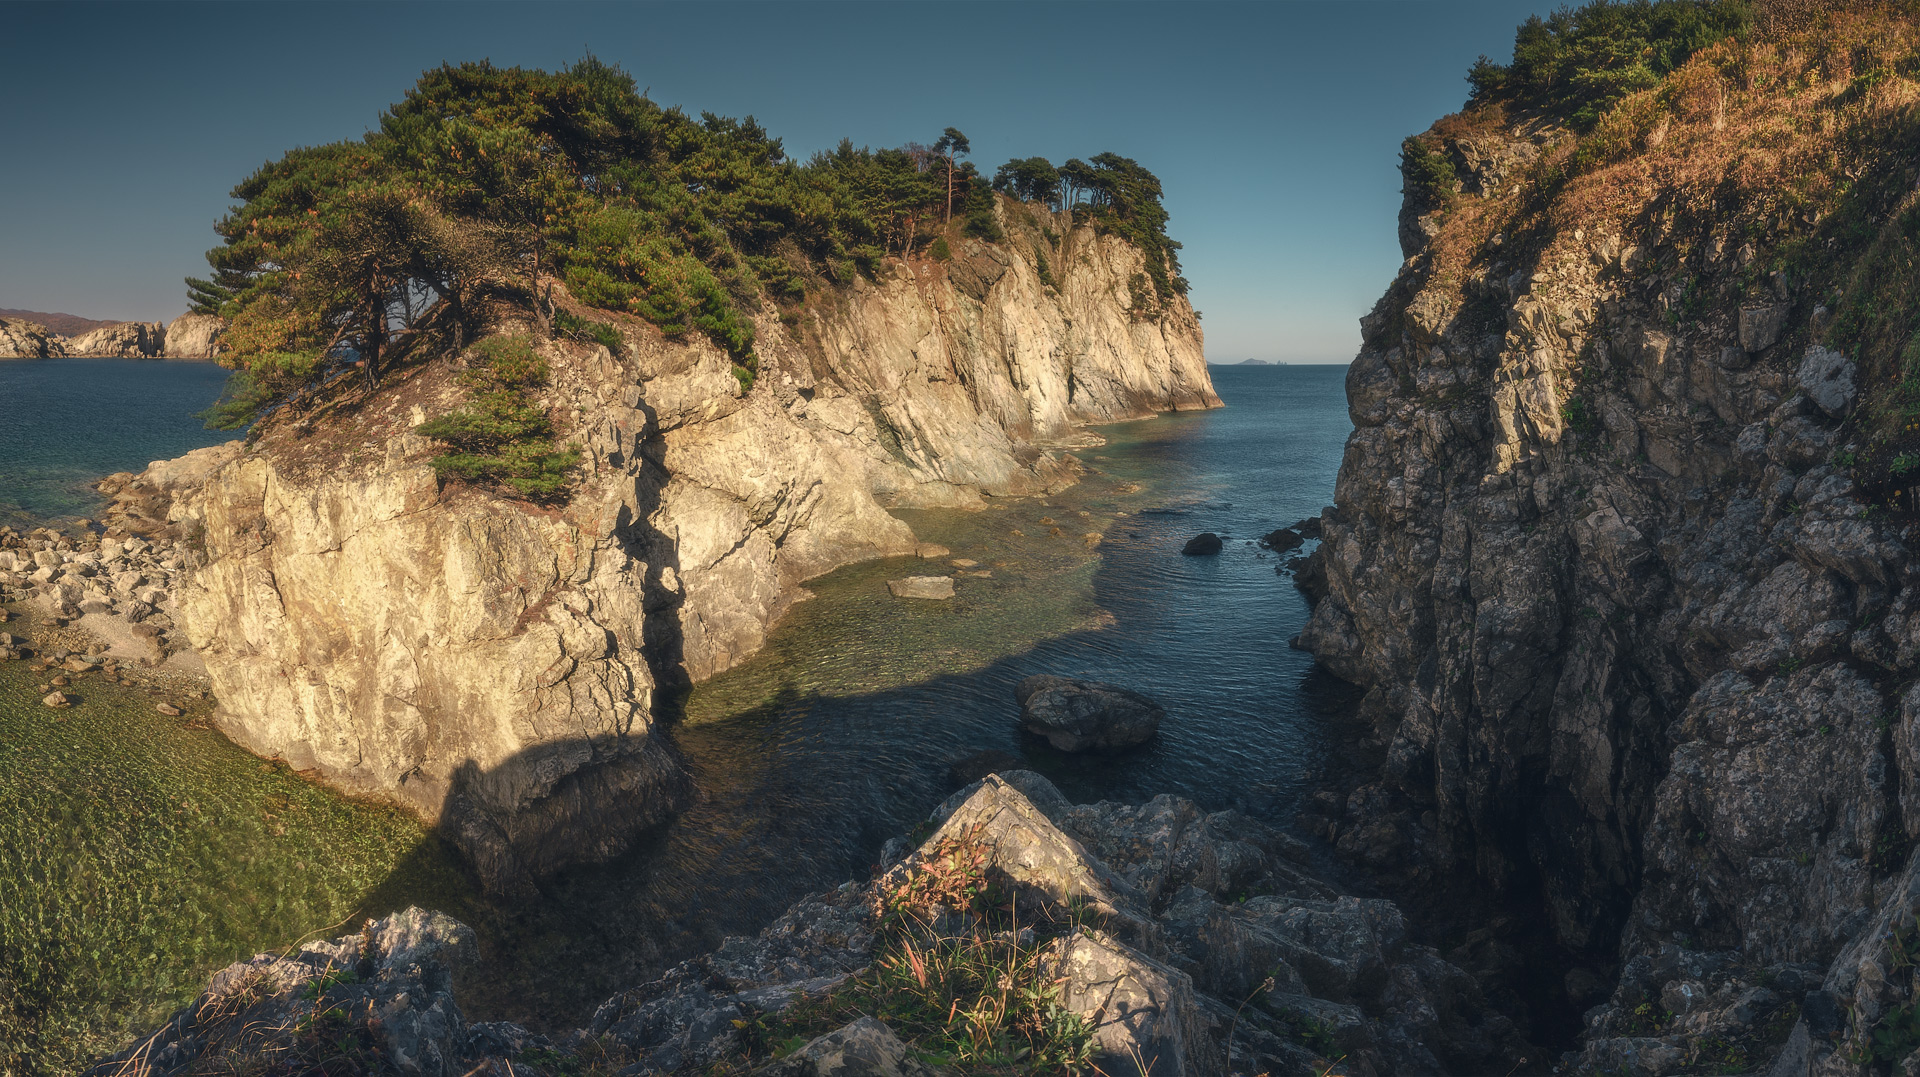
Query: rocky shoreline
190, 336
1165, 939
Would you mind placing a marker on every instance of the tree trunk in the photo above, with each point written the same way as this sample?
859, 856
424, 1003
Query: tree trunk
539, 314
376, 337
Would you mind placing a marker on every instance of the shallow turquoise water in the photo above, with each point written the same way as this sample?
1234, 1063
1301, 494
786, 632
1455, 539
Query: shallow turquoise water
65, 423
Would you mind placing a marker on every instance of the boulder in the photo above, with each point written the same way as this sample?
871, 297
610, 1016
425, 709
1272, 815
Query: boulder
865, 1048
1760, 327
1078, 716
1827, 377
1144, 1016
1203, 544
194, 336
1284, 539
935, 587
389, 989
57, 700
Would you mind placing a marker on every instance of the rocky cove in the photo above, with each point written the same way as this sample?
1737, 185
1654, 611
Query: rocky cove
1591, 756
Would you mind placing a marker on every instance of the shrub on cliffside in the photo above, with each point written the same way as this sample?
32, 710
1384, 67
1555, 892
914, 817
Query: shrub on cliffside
503, 436
1577, 62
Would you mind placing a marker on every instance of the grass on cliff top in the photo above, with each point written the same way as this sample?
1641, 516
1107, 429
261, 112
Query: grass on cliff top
1779, 157
141, 853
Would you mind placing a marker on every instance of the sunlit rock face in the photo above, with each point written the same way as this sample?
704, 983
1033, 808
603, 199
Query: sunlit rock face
492, 663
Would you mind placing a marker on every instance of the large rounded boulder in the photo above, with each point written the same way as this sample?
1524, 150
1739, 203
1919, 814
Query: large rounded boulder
1086, 716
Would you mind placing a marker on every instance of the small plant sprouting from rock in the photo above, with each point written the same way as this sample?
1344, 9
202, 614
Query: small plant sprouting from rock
586, 329
503, 436
955, 973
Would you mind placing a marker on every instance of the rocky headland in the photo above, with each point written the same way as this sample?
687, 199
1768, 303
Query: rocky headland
190, 336
1622, 543
493, 663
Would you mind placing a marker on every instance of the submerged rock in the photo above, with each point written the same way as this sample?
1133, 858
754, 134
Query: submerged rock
1080, 716
1282, 539
1204, 544
934, 587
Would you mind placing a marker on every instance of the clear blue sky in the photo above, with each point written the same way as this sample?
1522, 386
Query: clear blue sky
1274, 127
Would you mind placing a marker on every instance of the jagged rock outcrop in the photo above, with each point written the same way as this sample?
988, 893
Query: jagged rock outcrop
128, 340
491, 663
1621, 552
28, 340
193, 336
1173, 968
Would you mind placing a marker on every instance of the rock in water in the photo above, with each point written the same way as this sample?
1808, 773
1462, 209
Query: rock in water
56, 700
922, 587
1081, 716
1284, 539
1203, 544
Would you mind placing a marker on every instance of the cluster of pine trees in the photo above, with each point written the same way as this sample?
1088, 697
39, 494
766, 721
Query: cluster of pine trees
485, 181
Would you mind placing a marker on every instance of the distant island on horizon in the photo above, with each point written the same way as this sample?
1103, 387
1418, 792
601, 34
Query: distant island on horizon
1253, 362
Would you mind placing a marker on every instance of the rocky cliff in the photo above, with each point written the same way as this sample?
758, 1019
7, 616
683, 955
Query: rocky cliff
190, 336
493, 663
127, 340
193, 336
1621, 545
28, 340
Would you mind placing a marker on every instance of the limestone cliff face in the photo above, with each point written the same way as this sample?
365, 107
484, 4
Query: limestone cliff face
193, 336
1636, 615
28, 340
492, 663
128, 340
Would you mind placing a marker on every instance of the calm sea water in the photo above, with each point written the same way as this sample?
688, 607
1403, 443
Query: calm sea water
65, 423
835, 737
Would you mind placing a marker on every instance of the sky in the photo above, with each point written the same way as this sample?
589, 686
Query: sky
1274, 127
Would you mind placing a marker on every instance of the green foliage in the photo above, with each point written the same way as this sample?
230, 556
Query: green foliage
1045, 270
212, 296
1429, 171
488, 181
1123, 199
1579, 417
1030, 179
939, 251
1897, 1034
503, 436
1577, 62
586, 329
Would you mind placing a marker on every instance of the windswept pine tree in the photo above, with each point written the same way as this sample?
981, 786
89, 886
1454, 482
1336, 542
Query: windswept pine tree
488, 184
